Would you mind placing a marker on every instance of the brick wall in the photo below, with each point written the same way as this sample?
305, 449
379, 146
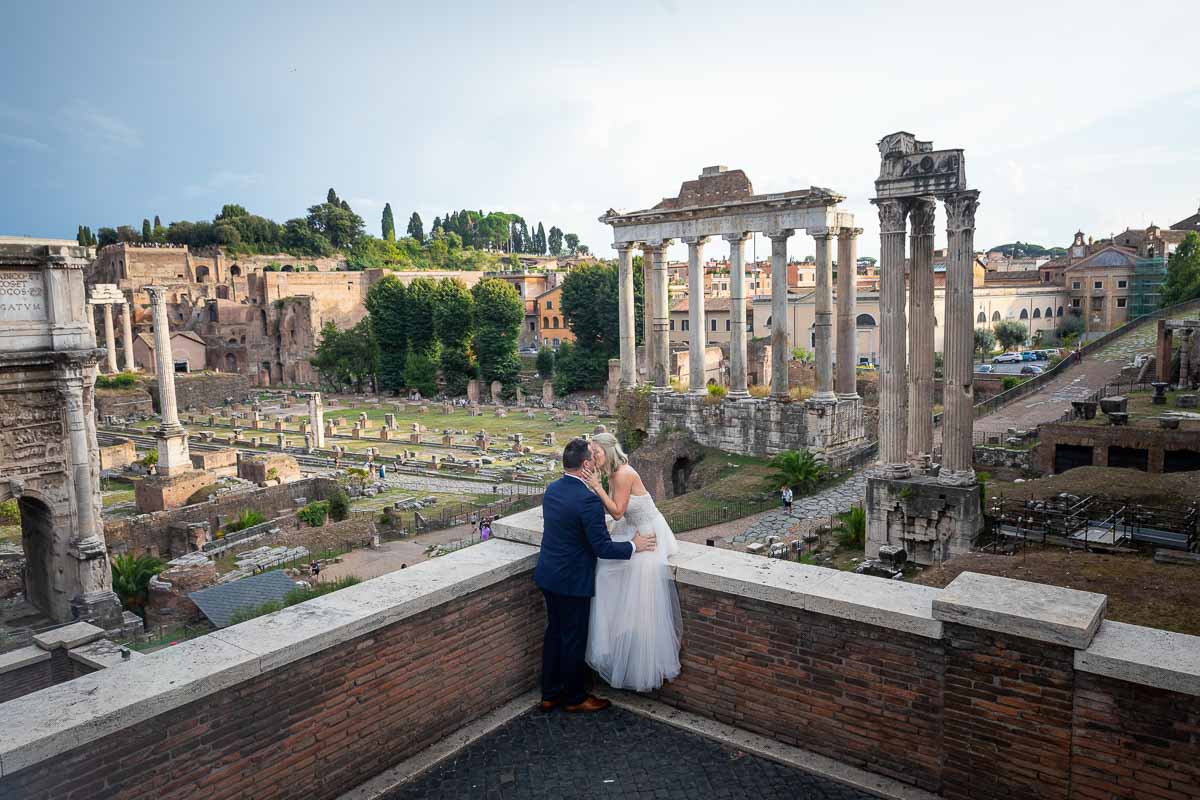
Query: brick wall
1132, 741
50, 672
321, 725
207, 390
859, 693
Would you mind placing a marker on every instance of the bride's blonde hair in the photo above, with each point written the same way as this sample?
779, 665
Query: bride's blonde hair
614, 456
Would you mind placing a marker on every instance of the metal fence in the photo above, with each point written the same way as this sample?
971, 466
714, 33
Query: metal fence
726, 512
1090, 523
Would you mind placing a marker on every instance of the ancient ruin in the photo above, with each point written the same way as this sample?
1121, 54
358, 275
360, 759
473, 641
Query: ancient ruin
49, 458
1189, 363
932, 510
721, 202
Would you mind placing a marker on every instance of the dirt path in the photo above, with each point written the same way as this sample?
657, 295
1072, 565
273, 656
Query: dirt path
391, 555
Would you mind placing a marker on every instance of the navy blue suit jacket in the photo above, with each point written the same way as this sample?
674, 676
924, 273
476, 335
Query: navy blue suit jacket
573, 537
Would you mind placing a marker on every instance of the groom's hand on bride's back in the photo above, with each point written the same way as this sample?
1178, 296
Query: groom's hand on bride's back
643, 542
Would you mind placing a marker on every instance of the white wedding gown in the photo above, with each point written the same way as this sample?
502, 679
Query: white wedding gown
633, 635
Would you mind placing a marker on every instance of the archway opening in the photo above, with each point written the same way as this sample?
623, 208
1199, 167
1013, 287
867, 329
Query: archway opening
681, 470
37, 538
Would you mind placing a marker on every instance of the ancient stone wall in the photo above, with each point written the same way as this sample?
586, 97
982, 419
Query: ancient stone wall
989, 457
762, 427
123, 403
1151, 449
150, 533
205, 391
120, 453
268, 467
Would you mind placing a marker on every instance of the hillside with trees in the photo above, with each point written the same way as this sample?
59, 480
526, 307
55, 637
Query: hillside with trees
1028, 250
460, 240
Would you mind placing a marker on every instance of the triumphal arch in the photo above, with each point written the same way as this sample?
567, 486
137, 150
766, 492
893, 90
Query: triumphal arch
721, 202
48, 453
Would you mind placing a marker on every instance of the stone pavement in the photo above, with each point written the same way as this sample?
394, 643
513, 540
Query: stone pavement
825, 504
612, 754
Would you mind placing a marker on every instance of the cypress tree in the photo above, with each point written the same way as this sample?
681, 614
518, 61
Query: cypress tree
146, 233
79, 238
389, 223
332, 197
415, 228
540, 245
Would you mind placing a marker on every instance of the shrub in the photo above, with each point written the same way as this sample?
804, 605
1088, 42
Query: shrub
131, 579
122, 380
545, 362
798, 393
716, 393
150, 459
851, 530
799, 469
760, 392
1010, 382
314, 513
339, 505
247, 519
10, 513
298, 595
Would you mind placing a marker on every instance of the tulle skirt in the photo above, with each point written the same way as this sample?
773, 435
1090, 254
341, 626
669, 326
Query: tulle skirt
633, 634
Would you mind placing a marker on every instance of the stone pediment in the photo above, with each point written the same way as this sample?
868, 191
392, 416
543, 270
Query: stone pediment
1110, 256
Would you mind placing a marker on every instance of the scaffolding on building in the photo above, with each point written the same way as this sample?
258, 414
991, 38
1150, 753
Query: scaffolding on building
1145, 294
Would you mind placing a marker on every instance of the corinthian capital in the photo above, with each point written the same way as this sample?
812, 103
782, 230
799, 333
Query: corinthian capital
892, 215
960, 210
156, 293
735, 237
625, 247
693, 241
923, 214
780, 235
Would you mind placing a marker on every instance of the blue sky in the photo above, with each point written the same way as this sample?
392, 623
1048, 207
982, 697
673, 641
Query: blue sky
1073, 115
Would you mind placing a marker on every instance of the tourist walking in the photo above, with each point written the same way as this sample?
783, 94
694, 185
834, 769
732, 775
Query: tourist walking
785, 493
485, 532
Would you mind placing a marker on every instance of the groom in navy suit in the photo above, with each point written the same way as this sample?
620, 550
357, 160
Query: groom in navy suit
574, 535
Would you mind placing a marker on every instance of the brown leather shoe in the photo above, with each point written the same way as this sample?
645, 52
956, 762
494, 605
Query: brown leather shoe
548, 705
590, 704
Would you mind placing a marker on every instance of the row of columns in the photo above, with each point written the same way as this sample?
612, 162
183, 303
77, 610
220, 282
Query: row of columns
656, 311
110, 336
906, 367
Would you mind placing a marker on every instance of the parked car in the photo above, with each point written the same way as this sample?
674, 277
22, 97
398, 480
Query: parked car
1006, 358
1052, 352
1031, 369
866, 367
984, 368
1028, 355
1140, 359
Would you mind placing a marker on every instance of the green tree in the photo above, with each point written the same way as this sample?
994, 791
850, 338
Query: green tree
159, 231
572, 243
799, 469
420, 373
80, 239
539, 246
300, 239
331, 197
415, 229
590, 307
1010, 334
337, 223
131, 579
389, 223
107, 236
230, 212
386, 305
545, 362
1071, 328
499, 314
1183, 272
347, 358
147, 234
454, 322
556, 241
985, 342
339, 505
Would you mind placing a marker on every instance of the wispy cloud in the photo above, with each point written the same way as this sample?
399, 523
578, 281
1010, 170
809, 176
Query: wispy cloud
222, 179
100, 127
22, 142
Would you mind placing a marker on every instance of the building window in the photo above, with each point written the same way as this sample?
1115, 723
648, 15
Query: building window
1046, 277
555, 321
684, 325
1059, 312
1024, 314
864, 321
995, 316
1098, 284
1037, 313
1075, 284
532, 326
1122, 284
727, 325
1121, 301
672, 324
545, 322
549, 305
712, 326
1097, 303
1074, 302
1050, 312
982, 318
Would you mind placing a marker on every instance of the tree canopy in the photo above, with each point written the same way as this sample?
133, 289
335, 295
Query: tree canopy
347, 359
1010, 334
590, 305
499, 314
1183, 272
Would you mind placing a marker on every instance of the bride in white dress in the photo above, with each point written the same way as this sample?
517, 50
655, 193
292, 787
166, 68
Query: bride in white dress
633, 635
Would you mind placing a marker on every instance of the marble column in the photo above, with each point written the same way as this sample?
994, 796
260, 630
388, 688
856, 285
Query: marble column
626, 315
90, 310
127, 336
173, 455
110, 339
698, 325
846, 383
922, 215
656, 254
649, 348
779, 312
737, 314
86, 492
823, 323
958, 396
316, 419
1185, 358
893, 391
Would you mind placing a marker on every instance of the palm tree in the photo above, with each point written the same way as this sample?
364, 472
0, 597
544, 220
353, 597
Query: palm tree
799, 469
131, 579
851, 530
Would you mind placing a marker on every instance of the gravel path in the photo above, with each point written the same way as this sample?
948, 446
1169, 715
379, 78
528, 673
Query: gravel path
823, 504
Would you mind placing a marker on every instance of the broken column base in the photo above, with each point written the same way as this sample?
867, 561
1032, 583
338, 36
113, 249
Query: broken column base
931, 521
161, 492
102, 609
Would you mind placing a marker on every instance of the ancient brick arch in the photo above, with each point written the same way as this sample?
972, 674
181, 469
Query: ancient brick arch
49, 460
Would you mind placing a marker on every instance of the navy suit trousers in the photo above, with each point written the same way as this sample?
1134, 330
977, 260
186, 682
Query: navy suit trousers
564, 671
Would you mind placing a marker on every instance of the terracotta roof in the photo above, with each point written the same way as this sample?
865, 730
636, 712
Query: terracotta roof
710, 304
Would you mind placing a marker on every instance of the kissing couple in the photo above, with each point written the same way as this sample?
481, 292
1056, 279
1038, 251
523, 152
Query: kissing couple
610, 601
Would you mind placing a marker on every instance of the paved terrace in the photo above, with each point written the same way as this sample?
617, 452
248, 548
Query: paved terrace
989, 688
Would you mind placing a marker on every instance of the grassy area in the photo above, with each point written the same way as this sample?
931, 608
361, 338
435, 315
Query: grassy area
1129, 485
1144, 414
727, 480
1140, 591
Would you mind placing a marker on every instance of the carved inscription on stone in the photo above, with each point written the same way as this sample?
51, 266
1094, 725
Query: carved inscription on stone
31, 438
22, 296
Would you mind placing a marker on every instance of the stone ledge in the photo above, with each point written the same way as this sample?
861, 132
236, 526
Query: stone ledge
102, 654
68, 636
22, 657
104, 702
1147, 656
1035, 611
